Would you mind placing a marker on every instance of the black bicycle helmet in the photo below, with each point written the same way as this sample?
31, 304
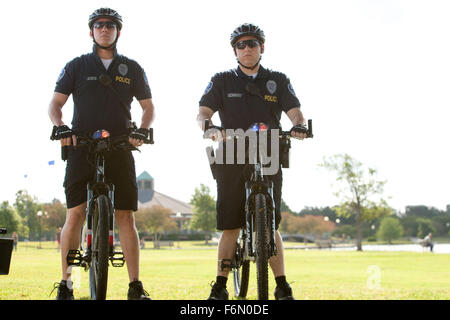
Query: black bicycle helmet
105, 13
246, 29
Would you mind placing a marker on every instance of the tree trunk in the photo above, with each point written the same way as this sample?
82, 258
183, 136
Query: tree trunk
358, 230
156, 241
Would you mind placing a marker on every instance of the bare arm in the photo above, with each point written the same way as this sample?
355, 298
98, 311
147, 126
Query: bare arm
147, 112
55, 114
146, 120
54, 109
296, 116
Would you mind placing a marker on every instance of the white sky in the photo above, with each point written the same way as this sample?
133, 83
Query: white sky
373, 76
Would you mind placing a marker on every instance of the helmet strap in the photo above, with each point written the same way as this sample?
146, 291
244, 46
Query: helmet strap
111, 47
247, 67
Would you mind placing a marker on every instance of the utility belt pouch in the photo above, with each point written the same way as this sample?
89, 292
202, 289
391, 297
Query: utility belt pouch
285, 146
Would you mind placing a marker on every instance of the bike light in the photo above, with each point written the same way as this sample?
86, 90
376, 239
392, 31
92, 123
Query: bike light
100, 134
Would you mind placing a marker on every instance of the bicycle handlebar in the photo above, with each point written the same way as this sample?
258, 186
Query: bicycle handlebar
287, 134
116, 143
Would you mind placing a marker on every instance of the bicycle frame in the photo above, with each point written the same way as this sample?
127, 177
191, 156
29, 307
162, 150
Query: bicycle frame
258, 183
95, 189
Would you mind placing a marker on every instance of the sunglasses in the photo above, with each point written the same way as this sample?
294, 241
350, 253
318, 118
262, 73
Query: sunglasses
250, 43
101, 24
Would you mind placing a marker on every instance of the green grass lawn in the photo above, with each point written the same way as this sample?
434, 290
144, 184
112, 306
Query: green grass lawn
170, 274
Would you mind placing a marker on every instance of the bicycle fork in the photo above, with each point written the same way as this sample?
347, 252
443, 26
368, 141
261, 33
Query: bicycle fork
249, 232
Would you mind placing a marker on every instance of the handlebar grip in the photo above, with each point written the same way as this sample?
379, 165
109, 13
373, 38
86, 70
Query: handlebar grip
150, 137
310, 129
207, 125
64, 153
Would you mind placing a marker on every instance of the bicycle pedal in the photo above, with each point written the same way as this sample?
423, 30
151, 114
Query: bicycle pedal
117, 259
74, 258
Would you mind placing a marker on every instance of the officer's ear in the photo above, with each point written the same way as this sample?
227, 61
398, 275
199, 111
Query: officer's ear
262, 48
91, 34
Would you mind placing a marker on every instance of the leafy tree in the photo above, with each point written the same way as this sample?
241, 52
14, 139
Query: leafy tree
55, 218
359, 190
308, 224
424, 227
422, 211
289, 223
285, 208
390, 229
9, 218
155, 220
27, 207
204, 207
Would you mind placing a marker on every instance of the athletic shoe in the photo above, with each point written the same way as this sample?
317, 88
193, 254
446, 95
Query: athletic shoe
218, 293
284, 293
64, 293
136, 291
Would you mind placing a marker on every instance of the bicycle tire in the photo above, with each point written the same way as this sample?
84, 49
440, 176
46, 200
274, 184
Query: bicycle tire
262, 247
98, 272
241, 273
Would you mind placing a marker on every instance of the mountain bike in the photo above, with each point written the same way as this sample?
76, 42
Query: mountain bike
256, 240
97, 236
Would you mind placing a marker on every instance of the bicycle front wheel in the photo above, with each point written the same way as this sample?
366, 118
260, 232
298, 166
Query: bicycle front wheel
98, 272
262, 247
241, 272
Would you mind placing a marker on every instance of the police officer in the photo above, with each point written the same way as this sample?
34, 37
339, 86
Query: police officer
243, 96
100, 104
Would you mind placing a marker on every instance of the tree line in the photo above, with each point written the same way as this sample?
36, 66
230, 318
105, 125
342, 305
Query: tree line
362, 212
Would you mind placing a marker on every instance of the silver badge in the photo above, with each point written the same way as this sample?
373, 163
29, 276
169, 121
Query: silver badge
271, 86
123, 69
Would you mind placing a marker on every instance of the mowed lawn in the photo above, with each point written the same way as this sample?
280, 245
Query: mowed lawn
186, 274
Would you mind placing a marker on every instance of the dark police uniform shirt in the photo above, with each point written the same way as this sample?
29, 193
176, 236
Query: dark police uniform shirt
239, 108
95, 105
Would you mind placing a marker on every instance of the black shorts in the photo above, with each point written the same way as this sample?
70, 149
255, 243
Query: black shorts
231, 195
119, 170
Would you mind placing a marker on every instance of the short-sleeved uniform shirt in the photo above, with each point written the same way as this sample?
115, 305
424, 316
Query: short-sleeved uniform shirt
98, 107
239, 107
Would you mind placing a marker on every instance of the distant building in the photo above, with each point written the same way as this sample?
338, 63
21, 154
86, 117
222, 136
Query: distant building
148, 197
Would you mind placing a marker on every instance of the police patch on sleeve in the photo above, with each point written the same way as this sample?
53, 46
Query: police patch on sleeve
208, 88
61, 75
291, 89
145, 78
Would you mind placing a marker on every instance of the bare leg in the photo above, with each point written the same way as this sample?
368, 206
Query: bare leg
277, 262
129, 241
226, 249
70, 235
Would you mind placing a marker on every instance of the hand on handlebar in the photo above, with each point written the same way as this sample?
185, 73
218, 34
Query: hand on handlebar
138, 137
299, 131
65, 135
212, 132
